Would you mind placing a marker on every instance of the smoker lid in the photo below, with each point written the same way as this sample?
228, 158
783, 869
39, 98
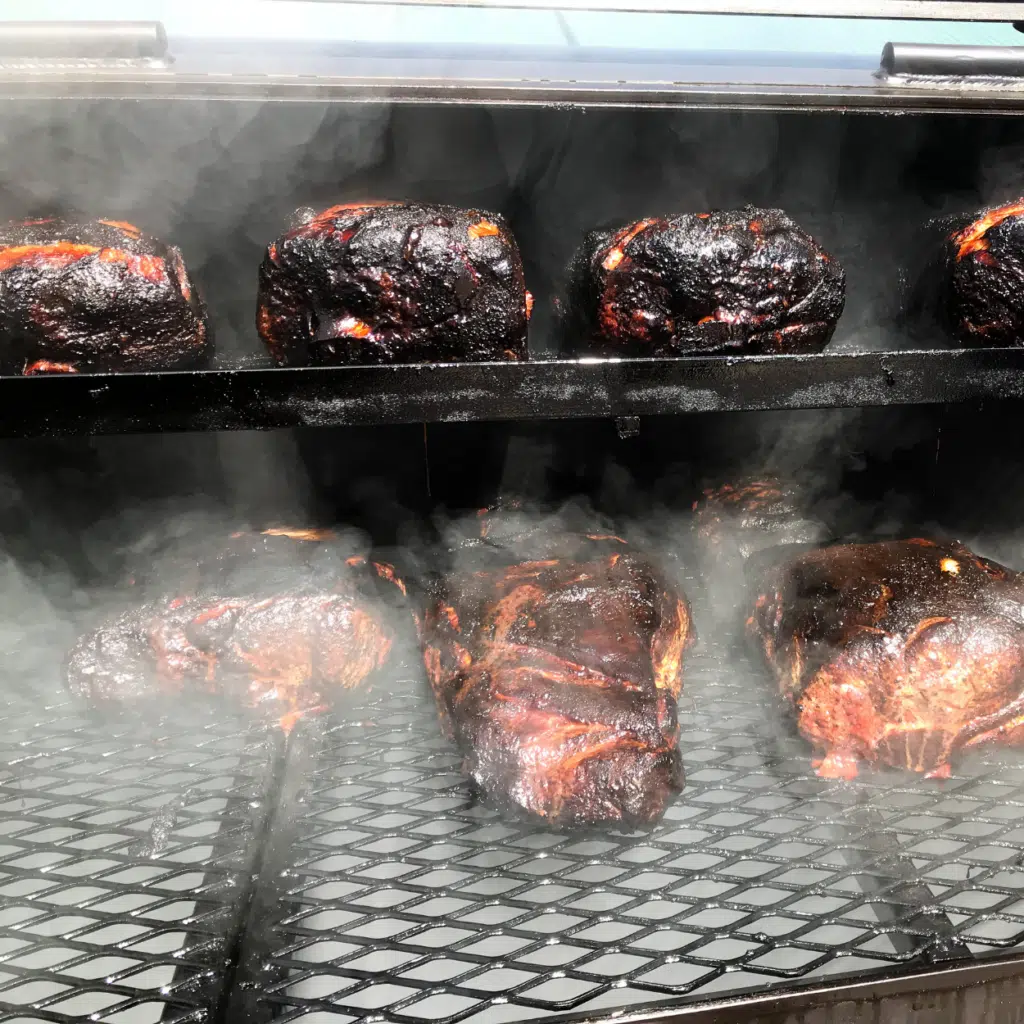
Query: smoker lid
815, 54
914, 10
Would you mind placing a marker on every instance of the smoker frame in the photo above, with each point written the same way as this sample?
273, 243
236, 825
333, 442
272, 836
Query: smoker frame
462, 392
271, 398
914, 10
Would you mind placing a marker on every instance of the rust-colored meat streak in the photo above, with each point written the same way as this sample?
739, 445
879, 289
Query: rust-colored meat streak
972, 238
300, 533
129, 229
62, 254
290, 648
41, 366
483, 229
58, 254
387, 572
908, 678
557, 676
351, 327
617, 251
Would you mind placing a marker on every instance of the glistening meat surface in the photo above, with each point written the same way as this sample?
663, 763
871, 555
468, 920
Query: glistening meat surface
93, 296
966, 278
558, 676
745, 280
733, 521
897, 652
737, 519
277, 620
391, 283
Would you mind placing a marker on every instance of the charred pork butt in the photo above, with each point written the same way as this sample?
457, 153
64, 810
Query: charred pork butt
284, 620
965, 278
896, 652
733, 521
746, 281
556, 661
95, 296
393, 283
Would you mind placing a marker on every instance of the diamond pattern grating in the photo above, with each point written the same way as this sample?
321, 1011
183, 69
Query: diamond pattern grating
126, 854
389, 893
385, 891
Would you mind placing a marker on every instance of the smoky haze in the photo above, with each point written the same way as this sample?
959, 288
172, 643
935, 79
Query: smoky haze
221, 179
81, 518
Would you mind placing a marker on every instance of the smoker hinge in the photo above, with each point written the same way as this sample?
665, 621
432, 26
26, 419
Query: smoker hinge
83, 40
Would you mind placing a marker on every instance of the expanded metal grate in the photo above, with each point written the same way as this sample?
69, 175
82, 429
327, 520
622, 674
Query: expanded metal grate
389, 892
126, 855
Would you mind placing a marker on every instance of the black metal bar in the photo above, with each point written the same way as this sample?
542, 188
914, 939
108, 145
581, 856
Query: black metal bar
556, 389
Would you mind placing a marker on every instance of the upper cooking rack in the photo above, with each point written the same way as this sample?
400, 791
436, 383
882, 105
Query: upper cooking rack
626, 389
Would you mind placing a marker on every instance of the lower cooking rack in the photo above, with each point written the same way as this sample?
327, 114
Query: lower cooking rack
199, 869
127, 850
388, 893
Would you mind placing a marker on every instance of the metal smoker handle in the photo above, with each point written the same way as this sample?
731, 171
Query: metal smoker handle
90, 39
952, 61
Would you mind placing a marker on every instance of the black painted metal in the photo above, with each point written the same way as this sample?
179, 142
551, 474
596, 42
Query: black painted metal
557, 389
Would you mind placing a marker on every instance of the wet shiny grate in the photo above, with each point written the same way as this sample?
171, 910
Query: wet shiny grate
388, 892
126, 851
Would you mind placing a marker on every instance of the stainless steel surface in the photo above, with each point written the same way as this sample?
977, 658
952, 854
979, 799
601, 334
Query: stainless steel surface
126, 858
390, 890
961, 61
832, 92
915, 10
90, 39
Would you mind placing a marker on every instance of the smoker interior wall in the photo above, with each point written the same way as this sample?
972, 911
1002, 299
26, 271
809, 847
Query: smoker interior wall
220, 178
80, 510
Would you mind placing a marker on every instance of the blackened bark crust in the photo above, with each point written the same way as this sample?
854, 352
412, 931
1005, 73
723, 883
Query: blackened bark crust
965, 279
94, 296
746, 281
557, 677
393, 283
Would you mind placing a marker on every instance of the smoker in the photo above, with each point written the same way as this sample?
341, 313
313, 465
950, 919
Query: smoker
189, 865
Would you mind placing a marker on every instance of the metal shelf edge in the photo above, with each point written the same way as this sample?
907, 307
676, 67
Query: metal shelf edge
456, 392
882, 97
